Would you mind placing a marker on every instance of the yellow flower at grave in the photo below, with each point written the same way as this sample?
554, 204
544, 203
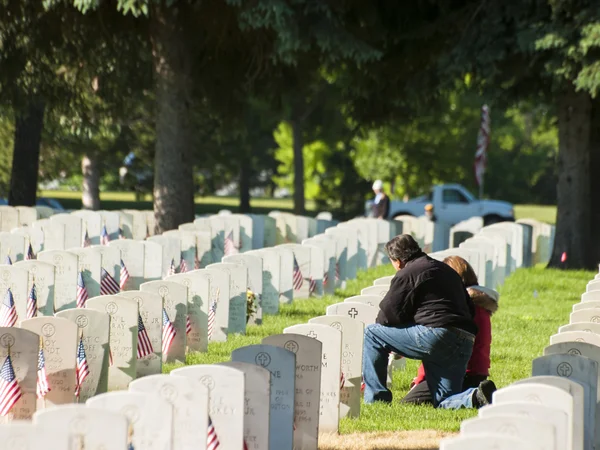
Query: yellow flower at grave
250, 303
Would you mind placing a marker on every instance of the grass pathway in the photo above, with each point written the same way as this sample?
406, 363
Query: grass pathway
521, 329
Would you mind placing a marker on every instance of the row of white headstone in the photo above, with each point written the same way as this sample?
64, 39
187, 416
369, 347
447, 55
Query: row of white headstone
557, 408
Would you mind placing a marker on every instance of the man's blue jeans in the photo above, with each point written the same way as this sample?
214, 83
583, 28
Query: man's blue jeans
444, 352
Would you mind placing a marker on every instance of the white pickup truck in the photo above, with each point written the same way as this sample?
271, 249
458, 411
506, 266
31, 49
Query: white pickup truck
452, 203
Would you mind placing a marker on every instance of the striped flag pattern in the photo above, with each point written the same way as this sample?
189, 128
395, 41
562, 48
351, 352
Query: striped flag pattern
312, 286
342, 380
297, 278
172, 269
182, 265
86, 240
104, 237
108, 285
10, 391
29, 255
82, 370
32, 303
483, 142
212, 440
196, 261
124, 276
144, 347
229, 246
188, 325
337, 271
8, 261
212, 315
168, 333
8, 311
82, 293
42, 387
325, 278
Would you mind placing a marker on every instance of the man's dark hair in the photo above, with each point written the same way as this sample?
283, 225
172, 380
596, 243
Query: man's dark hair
402, 248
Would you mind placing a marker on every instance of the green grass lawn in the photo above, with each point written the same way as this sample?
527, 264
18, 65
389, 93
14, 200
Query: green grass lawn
521, 329
543, 213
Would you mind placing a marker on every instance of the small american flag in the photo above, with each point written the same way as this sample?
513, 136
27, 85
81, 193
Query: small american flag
8, 312
124, 275
188, 325
337, 271
297, 279
82, 293
110, 357
168, 333
245, 445
104, 237
229, 247
182, 265
108, 285
212, 315
212, 440
32, 303
144, 347
82, 370
10, 391
86, 240
312, 286
8, 261
342, 380
29, 255
172, 269
42, 379
326, 278
196, 260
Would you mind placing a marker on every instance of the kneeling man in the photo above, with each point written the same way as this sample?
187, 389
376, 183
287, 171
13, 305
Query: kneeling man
426, 315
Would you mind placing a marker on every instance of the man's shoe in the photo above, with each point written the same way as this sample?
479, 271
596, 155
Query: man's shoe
483, 394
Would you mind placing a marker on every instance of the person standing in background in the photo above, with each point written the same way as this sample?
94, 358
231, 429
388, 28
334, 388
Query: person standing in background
429, 212
381, 204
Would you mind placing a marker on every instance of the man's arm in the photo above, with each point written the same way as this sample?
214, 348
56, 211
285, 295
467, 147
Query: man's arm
397, 307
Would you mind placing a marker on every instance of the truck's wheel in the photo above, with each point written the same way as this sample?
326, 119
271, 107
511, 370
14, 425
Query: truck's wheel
491, 219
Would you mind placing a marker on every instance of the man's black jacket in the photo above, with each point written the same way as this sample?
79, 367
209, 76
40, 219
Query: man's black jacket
430, 293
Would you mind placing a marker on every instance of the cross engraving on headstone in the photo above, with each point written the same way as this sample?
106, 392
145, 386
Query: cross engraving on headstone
263, 359
312, 334
353, 313
564, 369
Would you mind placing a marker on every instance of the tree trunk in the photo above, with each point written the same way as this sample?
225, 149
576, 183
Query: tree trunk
26, 154
594, 205
298, 144
244, 185
173, 168
90, 197
573, 189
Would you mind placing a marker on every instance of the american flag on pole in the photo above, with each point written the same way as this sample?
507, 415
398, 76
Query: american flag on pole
337, 271
229, 246
342, 380
8, 261
32, 303
172, 269
325, 277
124, 276
297, 279
10, 391
196, 260
182, 265
108, 285
483, 141
82, 370
8, 311
82, 293
86, 240
168, 333
212, 315
188, 325
104, 237
42, 378
312, 286
212, 440
144, 347
29, 255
